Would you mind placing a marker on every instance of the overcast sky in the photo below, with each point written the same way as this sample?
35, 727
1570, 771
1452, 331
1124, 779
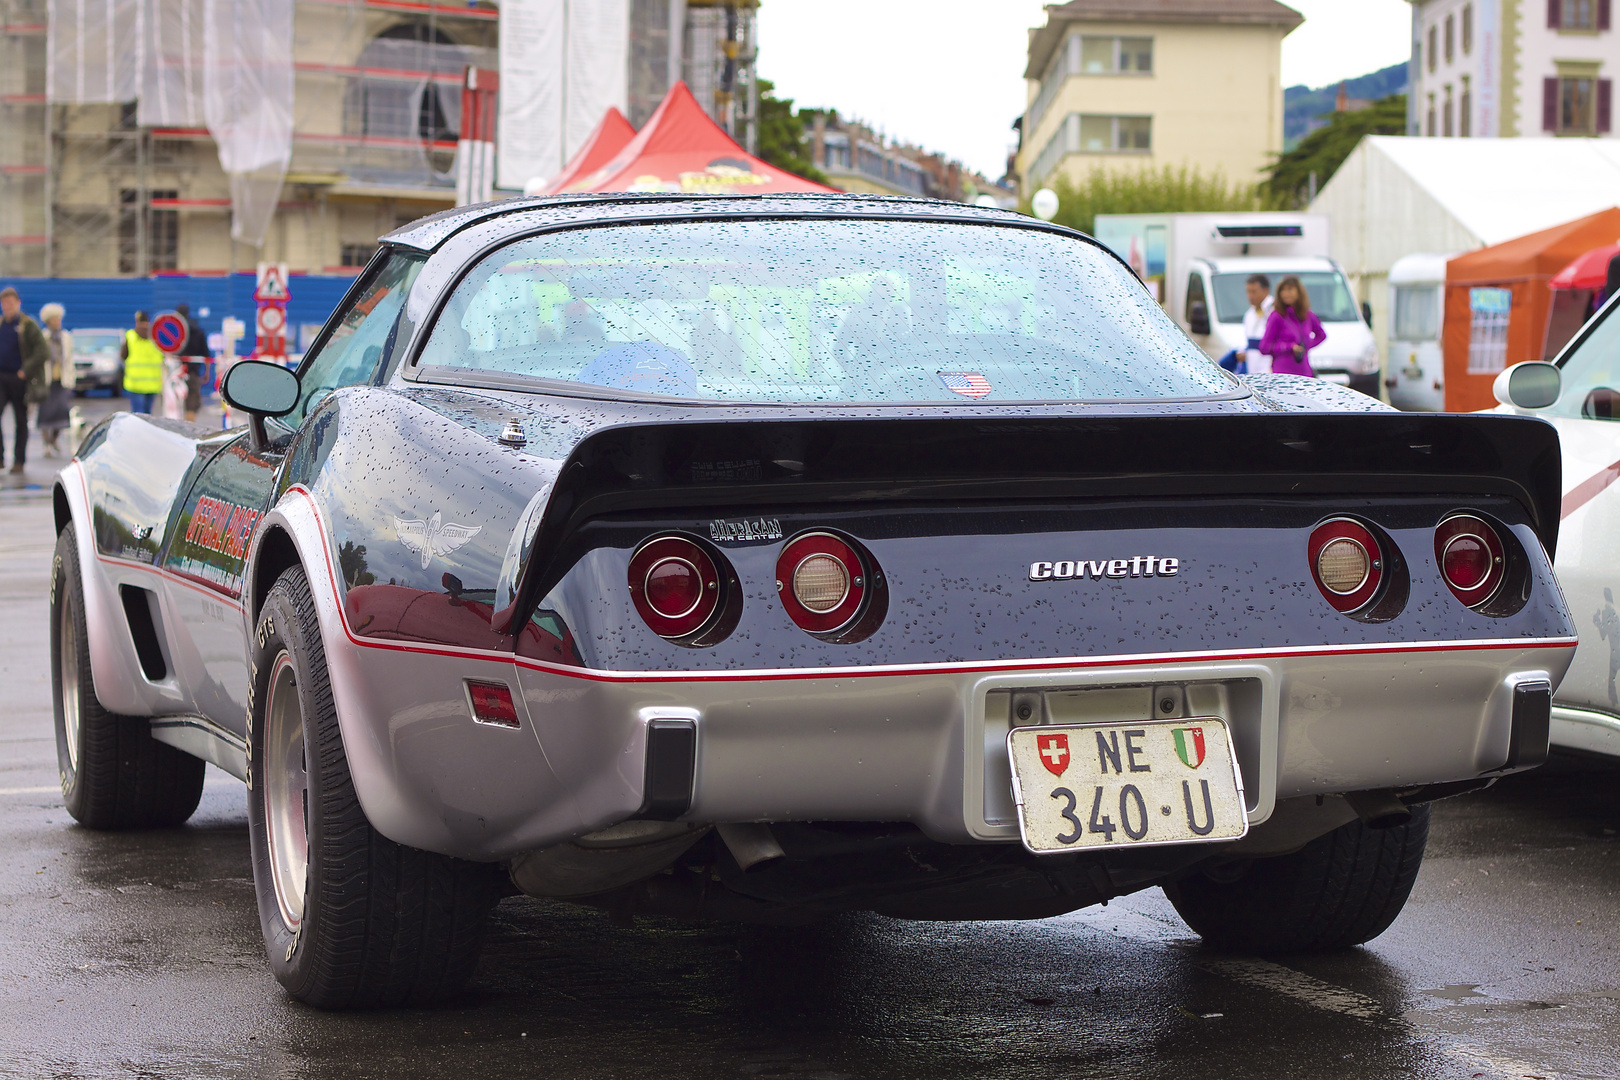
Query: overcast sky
948, 74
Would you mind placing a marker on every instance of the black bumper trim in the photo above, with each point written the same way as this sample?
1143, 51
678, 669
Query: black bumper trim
671, 762
1532, 725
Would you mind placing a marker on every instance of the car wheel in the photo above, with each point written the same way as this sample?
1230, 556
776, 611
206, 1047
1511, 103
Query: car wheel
114, 774
1339, 890
350, 919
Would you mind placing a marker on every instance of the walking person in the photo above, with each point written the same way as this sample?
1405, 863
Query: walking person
1258, 290
1292, 330
195, 355
56, 406
23, 355
143, 365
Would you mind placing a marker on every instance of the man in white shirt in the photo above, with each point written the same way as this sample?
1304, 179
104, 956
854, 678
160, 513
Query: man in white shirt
1258, 288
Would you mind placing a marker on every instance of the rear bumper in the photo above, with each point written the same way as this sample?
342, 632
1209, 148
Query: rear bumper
924, 746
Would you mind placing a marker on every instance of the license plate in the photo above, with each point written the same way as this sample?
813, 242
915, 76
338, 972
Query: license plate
1126, 785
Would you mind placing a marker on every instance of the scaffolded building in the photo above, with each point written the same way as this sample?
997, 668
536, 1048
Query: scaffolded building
203, 136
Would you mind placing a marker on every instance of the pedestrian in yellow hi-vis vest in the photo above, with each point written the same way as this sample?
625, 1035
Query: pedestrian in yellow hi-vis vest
143, 365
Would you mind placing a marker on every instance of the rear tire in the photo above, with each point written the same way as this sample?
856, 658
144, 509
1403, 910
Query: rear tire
350, 918
114, 774
1339, 890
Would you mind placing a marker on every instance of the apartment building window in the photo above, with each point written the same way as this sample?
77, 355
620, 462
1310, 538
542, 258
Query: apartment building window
1446, 128
1116, 56
1451, 37
835, 152
356, 254
1576, 102
1091, 134
1467, 29
1429, 130
1434, 49
1578, 15
162, 233
1465, 110
1115, 133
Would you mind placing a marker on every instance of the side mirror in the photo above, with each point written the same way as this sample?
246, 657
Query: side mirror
1532, 384
260, 389
1366, 314
1198, 317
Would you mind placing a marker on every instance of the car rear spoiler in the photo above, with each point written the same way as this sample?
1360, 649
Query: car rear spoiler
770, 464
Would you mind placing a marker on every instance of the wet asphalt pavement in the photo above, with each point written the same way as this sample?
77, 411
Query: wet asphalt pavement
138, 955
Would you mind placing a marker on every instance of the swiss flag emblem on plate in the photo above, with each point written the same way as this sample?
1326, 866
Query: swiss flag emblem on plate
1054, 751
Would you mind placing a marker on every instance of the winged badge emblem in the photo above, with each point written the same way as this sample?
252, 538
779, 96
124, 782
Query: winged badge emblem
428, 538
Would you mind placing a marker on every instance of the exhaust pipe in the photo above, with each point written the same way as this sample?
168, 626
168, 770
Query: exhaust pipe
752, 845
1379, 809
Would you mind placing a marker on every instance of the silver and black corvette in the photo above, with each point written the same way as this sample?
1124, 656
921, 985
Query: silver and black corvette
765, 558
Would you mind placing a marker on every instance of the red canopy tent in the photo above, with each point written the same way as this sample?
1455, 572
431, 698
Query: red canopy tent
610, 136
681, 149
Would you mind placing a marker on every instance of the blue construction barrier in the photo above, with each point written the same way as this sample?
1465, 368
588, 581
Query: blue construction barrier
111, 303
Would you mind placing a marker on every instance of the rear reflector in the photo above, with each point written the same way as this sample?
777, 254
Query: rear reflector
492, 703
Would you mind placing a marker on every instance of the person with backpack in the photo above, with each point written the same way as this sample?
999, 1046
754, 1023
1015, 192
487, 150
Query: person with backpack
1292, 330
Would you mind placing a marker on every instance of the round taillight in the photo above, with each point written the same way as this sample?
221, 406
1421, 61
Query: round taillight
821, 581
1471, 558
675, 586
1347, 562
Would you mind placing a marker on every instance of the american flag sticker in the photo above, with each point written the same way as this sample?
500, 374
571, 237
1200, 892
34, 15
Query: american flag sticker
966, 383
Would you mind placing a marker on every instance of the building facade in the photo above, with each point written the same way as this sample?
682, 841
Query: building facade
856, 158
111, 167
1505, 68
1122, 84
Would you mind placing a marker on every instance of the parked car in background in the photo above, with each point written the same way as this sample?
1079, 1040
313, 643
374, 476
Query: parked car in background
96, 365
1579, 393
1415, 374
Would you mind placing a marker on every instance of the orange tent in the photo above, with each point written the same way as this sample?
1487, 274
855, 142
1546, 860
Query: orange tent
611, 135
681, 149
1497, 304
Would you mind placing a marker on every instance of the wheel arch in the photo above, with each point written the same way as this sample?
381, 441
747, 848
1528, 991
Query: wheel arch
277, 552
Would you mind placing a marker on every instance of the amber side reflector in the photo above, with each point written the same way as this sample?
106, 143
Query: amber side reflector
492, 703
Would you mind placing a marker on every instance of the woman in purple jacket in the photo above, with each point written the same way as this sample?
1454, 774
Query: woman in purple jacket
1292, 331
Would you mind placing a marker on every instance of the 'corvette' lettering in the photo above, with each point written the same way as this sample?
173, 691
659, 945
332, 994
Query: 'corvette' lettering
1135, 566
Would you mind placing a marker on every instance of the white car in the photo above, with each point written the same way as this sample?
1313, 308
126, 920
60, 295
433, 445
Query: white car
1579, 393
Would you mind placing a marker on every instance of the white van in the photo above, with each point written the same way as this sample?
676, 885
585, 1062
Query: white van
1416, 373
1215, 301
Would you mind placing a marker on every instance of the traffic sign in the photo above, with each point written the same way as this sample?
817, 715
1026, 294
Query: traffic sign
169, 332
271, 282
272, 321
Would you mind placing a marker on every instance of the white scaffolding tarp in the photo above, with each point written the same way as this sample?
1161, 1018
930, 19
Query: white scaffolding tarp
248, 104
88, 55
226, 64
563, 62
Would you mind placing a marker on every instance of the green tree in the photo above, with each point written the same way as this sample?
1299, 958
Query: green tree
1167, 189
781, 135
1324, 150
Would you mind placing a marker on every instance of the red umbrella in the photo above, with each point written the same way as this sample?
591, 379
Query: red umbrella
1590, 271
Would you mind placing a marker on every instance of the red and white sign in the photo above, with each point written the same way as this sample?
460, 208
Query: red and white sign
271, 292
1054, 751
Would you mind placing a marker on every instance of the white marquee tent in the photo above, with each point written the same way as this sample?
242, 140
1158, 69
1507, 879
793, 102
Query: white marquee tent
1397, 196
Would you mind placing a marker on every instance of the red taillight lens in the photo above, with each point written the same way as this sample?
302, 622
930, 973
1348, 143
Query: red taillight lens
492, 703
1471, 558
821, 581
675, 586
1347, 562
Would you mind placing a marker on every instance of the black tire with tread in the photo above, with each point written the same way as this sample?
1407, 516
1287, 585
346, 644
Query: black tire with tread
1339, 890
124, 779
383, 924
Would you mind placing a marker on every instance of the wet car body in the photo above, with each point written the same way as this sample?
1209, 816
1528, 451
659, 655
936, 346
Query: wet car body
464, 528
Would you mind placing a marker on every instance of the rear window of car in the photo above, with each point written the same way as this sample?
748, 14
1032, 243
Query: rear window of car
820, 312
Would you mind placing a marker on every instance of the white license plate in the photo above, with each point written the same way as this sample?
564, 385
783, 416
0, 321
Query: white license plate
1126, 785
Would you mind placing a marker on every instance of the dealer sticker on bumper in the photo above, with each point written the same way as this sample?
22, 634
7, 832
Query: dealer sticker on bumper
1126, 785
